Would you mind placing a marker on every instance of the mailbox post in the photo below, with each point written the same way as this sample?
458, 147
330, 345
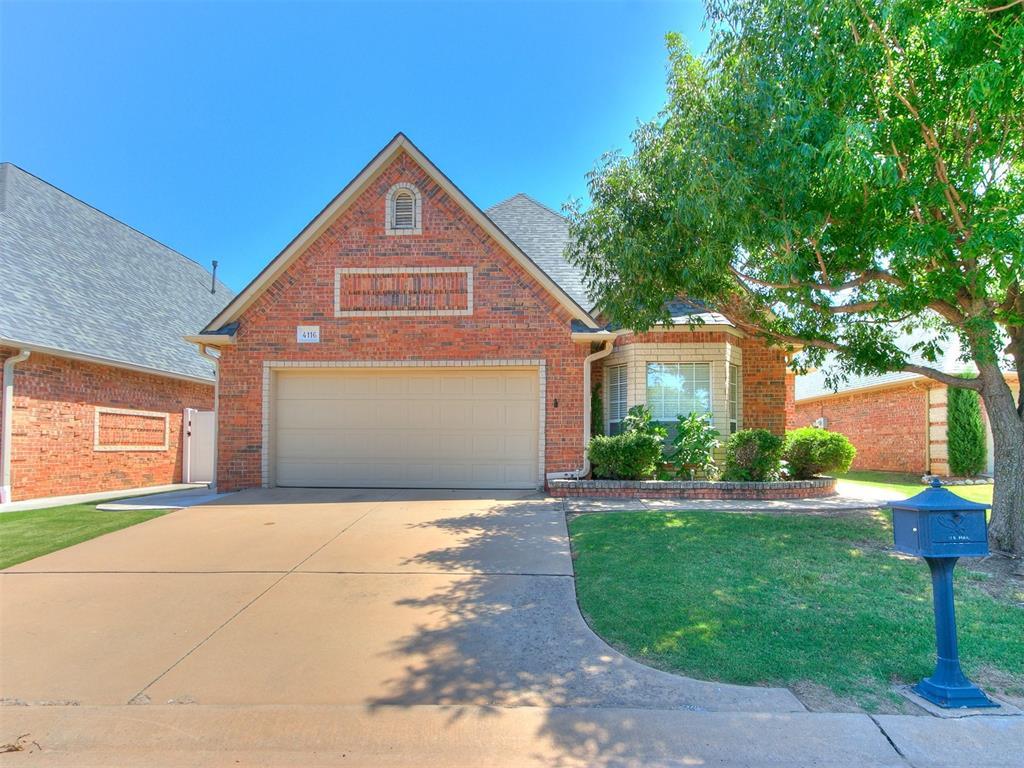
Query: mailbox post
941, 527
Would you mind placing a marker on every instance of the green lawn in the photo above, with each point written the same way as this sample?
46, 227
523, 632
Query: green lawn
911, 484
28, 534
816, 603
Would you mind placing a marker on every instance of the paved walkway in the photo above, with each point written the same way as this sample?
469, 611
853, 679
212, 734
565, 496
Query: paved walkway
88, 498
849, 497
395, 628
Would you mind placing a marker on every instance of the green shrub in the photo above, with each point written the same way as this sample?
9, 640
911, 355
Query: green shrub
596, 411
638, 419
965, 432
629, 456
810, 451
694, 446
752, 455
635, 454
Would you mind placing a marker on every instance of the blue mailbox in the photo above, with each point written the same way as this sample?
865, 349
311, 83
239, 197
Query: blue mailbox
942, 527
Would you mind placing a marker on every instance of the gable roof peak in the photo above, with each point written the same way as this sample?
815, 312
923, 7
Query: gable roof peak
234, 310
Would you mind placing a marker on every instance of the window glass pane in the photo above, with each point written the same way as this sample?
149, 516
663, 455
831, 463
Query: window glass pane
617, 396
734, 397
675, 389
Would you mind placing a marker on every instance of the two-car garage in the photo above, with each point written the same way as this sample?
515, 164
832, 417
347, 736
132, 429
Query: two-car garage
429, 427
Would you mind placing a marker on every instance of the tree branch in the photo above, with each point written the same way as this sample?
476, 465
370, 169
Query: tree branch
739, 316
996, 9
864, 278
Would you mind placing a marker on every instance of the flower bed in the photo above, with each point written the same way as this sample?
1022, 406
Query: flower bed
693, 489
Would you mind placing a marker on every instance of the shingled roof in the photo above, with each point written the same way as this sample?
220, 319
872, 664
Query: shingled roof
78, 281
542, 234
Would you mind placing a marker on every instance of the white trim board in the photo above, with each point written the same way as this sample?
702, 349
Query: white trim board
269, 366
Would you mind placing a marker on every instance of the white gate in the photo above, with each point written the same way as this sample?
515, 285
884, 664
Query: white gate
198, 440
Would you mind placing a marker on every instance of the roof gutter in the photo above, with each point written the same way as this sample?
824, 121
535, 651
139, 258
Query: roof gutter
8, 411
607, 339
97, 360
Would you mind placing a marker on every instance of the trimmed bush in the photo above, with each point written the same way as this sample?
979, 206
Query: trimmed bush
694, 446
752, 455
629, 456
811, 451
636, 454
965, 432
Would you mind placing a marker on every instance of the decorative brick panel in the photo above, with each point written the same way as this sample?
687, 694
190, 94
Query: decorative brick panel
121, 429
397, 291
54, 426
888, 427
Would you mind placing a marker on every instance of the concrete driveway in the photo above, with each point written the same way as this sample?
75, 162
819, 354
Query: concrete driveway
364, 628
329, 597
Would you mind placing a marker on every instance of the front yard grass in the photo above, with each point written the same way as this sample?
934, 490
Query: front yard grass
31, 533
911, 484
819, 604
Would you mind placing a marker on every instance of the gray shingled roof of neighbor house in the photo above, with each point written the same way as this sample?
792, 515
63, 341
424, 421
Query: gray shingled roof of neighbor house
73, 279
813, 384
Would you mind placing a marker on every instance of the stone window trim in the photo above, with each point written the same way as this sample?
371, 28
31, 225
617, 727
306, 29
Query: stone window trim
270, 366
341, 272
100, 446
389, 210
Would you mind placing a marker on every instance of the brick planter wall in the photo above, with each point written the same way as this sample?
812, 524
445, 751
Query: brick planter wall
684, 489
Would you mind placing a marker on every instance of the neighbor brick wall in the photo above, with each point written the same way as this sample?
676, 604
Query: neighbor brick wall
888, 427
53, 425
513, 318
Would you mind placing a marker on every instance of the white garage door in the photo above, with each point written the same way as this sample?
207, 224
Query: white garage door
406, 428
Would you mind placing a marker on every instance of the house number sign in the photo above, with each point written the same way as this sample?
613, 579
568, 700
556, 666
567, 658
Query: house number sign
307, 334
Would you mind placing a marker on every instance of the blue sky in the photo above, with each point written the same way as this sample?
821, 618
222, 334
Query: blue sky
222, 128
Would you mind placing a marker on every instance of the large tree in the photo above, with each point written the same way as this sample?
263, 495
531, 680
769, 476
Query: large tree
837, 176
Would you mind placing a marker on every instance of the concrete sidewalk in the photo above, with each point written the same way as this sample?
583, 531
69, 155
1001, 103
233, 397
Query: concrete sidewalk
497, 737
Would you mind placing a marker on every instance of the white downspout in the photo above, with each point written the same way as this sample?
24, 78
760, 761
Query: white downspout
8, 413
204, 351
605, 350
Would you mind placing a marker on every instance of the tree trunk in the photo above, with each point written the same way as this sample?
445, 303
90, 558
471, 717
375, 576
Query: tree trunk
1006, 527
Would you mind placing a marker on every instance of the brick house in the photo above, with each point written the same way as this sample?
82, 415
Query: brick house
896, 421
96, 374
406, 338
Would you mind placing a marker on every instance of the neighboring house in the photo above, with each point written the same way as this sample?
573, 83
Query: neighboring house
897, 421
406, 338
96, 372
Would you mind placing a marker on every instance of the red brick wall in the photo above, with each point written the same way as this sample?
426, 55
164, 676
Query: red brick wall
513, 318
765, 392
53, 426
888, 427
